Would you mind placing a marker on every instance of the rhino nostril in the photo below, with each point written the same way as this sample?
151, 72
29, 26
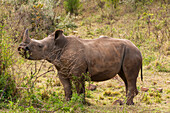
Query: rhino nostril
19, 48
26, 48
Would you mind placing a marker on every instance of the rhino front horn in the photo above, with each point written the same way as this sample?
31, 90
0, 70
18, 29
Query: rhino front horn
26, 38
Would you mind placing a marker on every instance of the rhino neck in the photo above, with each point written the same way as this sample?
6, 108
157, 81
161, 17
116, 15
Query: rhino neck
55, 54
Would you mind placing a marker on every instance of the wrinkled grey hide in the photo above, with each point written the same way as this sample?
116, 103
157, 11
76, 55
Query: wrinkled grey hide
102, 58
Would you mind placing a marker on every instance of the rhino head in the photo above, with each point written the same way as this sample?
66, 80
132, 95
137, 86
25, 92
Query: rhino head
42, 49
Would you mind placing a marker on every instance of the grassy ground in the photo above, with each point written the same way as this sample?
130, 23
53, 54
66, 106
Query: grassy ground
102, 99
147, 27
150, 101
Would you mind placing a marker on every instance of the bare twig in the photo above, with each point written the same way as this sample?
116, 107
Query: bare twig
40, 76
34, 69
40, 67
36, 72
29, 65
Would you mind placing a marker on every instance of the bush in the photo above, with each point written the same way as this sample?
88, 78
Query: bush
112, 3
66, 23
7, 84
72, 6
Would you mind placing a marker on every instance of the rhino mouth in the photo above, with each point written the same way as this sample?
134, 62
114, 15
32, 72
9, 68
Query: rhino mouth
24, 52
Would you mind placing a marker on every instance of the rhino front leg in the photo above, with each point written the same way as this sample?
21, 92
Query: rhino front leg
67, 87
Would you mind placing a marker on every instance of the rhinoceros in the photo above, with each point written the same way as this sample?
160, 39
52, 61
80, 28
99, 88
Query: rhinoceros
101, 58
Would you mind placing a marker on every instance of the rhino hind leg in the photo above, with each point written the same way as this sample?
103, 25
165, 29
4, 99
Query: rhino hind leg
131, 75
122, 76
130, 83
132, 92
131, 89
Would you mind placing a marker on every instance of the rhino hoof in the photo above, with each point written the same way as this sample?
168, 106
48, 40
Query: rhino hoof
130, 103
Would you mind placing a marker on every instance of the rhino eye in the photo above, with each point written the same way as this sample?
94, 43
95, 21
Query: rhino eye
40, 46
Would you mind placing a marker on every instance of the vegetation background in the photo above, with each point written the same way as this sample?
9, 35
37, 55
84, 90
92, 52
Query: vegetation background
33, 86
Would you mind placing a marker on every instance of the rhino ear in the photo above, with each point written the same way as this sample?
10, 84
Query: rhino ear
58, 33
26, 38
60, 39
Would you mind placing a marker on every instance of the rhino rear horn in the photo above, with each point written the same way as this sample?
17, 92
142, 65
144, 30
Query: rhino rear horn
26, 38
58, 33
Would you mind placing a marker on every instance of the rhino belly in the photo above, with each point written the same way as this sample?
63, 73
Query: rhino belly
102, 76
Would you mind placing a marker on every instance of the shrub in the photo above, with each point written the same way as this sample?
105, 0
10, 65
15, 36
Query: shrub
112, 3
72, 6
66, 23
7, 84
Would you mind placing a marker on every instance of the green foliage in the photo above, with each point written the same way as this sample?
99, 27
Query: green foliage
143, 1
160, 67
72, 6
54, 103
149, 59
112, 3
7, 84
66, 23
146, 99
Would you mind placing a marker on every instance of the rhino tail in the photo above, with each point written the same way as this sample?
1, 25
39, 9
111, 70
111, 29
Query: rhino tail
141, 74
